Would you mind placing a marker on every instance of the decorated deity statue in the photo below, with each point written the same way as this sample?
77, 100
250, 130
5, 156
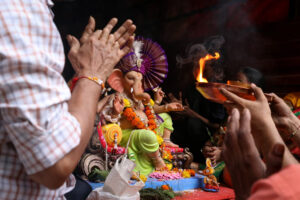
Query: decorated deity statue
132, 108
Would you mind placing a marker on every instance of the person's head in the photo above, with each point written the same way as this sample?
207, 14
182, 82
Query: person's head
250, 75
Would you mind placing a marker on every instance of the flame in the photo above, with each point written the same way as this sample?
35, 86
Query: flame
200, 77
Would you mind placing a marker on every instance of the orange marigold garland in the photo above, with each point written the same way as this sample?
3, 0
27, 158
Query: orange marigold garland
137, 122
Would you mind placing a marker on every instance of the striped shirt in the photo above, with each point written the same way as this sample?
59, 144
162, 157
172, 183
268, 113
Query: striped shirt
36, 129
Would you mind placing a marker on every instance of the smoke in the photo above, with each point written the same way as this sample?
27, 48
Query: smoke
193, 53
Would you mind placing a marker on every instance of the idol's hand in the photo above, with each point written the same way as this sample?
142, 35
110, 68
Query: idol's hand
174, 107
158, 96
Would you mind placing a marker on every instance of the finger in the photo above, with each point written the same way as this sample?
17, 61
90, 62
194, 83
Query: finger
245, 138
180, 96
210, 154
111, 39
233, 127
258, 93
116, 45
179, 106
96, 35
124, 38
214, 148
107, 29
128, 47
74, 43
232, 97
123, 28
275, 98
275, 158
89, 29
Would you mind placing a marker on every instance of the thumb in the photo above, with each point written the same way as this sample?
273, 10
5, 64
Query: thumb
73, 43
274, 159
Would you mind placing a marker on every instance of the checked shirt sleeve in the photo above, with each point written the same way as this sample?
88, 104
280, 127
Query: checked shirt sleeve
33, 94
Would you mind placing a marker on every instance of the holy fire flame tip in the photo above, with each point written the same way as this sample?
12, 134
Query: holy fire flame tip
200, 77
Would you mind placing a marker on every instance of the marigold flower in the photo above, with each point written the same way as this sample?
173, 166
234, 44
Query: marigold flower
165, 187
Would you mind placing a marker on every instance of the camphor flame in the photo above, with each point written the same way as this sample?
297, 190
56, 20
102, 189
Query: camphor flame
200, 77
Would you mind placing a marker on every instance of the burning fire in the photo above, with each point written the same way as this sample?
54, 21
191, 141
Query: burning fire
200, 77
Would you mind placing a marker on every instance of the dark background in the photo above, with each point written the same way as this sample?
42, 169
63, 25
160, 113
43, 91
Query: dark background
264, 34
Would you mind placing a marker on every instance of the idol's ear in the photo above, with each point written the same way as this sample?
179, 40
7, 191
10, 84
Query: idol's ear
115, 80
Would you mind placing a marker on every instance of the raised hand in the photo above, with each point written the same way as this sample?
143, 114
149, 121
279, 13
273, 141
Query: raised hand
118, 105
99, 51
242, 157
158, 96
283, 117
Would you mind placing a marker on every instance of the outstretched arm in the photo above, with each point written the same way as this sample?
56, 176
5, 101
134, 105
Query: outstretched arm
263, 128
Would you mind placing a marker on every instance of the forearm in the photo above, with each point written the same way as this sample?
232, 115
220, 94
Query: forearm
266, 136
82, 106
160, 109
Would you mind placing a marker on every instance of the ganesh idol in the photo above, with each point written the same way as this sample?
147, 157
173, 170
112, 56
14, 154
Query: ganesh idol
145, 124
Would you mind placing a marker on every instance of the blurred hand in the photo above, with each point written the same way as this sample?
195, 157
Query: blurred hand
99, 51
212, 152
283, 117
172, 98
242, 157
186, 110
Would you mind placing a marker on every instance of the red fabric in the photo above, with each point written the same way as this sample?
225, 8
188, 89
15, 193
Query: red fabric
224, 193
296, 151
226, 177
282, 185
174, 149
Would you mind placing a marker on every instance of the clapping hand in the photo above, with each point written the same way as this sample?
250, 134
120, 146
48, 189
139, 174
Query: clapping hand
99, 51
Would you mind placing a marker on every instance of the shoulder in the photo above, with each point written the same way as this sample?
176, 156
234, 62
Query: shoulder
282, 185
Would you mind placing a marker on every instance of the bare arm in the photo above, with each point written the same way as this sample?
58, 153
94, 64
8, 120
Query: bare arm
95, 56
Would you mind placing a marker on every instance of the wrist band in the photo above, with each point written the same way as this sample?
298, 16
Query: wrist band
166, 107
94, 79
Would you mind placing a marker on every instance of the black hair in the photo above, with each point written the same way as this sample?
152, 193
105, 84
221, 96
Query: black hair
254, 76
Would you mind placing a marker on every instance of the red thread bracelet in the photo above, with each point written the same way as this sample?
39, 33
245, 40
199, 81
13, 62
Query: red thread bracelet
94, 79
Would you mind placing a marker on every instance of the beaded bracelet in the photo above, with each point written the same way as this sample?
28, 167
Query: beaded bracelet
294, 133
157, 102
95, 79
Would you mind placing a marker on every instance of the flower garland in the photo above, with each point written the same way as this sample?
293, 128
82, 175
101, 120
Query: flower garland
136, 121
